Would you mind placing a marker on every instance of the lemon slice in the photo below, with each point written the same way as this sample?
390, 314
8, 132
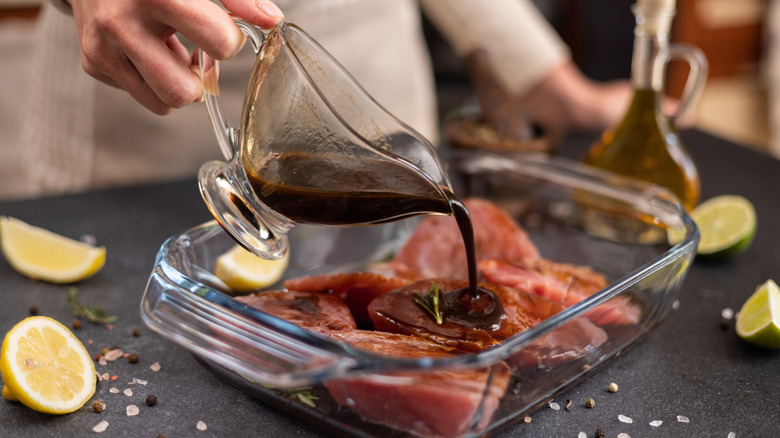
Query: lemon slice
243, 271
43, 255
759, 320
46, 367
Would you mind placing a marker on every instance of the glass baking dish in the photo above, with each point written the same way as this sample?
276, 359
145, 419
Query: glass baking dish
576, 215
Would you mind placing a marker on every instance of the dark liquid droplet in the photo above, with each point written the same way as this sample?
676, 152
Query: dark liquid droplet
482, 309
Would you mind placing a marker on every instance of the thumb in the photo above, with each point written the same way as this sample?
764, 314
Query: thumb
263, 13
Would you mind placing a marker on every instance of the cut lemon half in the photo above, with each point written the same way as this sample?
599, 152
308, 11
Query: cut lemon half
758, 322
46, 367
243, 271
40, 254
727, 225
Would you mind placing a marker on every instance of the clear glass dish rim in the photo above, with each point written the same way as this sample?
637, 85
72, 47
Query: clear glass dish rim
554, 169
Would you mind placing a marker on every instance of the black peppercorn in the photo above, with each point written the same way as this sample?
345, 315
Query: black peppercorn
151, 400
133, 358
33, 310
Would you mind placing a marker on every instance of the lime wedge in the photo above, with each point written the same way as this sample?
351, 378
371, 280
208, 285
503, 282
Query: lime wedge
727, 224
759, 320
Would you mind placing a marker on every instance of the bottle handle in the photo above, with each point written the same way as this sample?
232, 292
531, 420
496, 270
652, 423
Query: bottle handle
227, 136
694, 85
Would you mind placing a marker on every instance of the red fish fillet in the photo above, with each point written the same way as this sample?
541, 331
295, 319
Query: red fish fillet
441, 403
562, 283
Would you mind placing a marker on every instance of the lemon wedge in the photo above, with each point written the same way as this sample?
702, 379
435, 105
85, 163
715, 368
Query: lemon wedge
243, 271
43, 255
46, 367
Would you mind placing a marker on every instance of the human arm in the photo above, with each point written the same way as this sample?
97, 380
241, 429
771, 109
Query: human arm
529, 62
132, 44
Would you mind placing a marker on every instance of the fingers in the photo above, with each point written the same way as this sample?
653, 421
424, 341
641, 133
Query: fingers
214, 31
164, 67
263, 13
131, 44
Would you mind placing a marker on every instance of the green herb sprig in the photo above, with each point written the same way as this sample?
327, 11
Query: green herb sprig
431, 303
303, 395
93, 314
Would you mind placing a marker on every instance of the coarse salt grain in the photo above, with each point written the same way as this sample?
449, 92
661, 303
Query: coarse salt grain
732, 435
683, 419
139, 381
582, 435
128, 392
555, 406
624, 419
727, 313
104, 376
102, 361
114, 390
623, 435
100, 427
155, 367
113, 355
132, 410
656, 423
201, 425
676, 304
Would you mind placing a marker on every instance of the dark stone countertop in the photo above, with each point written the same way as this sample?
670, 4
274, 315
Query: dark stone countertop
689, 366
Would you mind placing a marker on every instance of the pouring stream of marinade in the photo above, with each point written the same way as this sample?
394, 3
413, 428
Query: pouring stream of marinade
315, 189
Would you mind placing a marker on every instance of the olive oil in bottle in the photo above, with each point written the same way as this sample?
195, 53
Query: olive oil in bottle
645, 144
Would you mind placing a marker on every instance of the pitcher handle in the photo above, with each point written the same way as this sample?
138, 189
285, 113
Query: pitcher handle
227, 136
695, 82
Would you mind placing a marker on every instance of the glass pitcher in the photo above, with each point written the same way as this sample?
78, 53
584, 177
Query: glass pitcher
312, 147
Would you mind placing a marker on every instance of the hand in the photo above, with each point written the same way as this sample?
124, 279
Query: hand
567, 100
131, 44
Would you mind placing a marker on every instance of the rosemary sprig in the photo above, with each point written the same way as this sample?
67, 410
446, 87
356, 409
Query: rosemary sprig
431, 303
303, 395
93, 314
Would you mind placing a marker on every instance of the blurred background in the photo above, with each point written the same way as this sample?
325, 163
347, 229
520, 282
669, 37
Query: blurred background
735, 35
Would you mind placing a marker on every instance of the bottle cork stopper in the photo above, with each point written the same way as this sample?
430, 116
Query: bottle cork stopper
656, 15
655, 6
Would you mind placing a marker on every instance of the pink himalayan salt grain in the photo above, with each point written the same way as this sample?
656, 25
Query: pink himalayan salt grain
100, 427
113, 355
132, 410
